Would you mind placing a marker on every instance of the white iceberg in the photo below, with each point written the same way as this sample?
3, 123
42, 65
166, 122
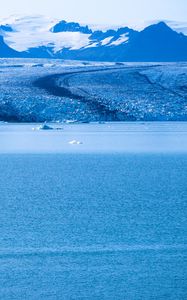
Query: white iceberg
75, 142
44, 127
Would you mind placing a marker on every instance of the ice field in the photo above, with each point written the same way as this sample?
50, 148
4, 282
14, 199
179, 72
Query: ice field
56, 90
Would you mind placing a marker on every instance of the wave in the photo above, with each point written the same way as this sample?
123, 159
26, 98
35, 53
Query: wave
94, 250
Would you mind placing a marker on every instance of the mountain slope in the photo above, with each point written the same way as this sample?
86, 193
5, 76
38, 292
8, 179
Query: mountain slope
157, 43
6, 51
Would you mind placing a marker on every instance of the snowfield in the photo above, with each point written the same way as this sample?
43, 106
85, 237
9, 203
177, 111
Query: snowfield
36, 31
35, 90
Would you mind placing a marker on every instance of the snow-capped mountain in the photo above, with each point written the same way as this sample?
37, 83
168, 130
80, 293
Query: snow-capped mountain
36, 31
38, 36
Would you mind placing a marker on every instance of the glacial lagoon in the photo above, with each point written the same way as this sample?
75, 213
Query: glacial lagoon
103, 219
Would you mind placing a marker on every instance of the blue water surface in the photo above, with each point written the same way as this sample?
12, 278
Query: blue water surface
93, 226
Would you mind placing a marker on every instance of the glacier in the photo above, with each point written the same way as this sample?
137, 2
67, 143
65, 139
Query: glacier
38, 90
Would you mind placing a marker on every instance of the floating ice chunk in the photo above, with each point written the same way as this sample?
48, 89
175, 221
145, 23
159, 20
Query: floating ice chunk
75, 142
58, 128
70, 121
43, 127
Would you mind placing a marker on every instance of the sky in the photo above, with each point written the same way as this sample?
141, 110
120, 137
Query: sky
99, 11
